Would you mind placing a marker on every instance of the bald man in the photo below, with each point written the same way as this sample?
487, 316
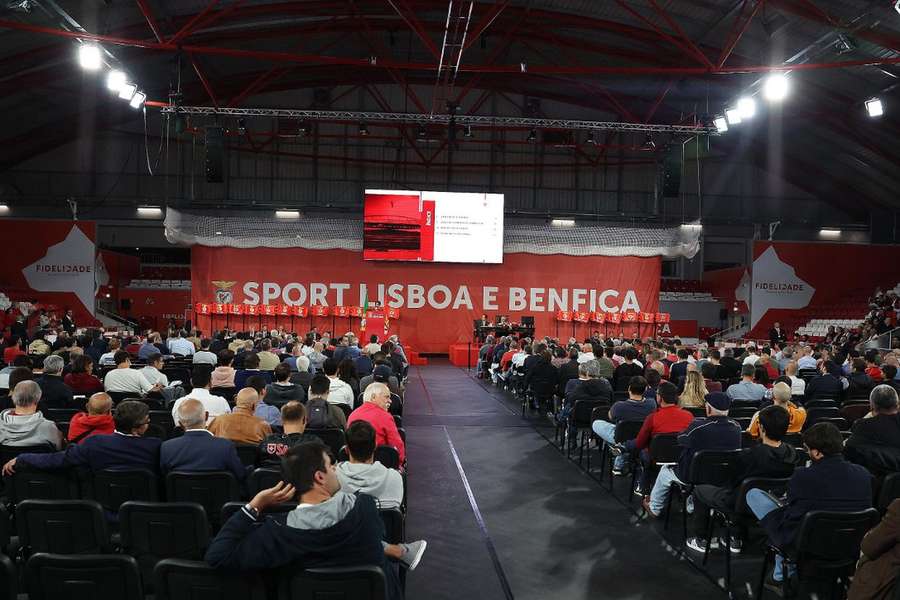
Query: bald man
242, 426
97, 420
198, 449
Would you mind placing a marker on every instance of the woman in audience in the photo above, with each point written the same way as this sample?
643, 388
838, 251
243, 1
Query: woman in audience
82, 380
761, 376
347, 374
223, 374
694, 391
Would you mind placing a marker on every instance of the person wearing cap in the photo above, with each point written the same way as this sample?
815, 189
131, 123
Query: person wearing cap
382, 374
746, 388
713, 432
668, 418
781, 396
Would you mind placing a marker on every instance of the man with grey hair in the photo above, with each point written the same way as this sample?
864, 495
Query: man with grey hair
875, 440
54, 393
198, 449
589, 387
24, 425
374, 409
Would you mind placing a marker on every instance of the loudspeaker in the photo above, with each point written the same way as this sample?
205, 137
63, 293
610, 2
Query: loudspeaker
671, 173
215, 154
125, 303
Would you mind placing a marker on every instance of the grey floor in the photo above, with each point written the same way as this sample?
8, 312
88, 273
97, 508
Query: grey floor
547, 529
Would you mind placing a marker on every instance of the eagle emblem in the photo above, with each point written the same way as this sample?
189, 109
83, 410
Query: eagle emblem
223, 291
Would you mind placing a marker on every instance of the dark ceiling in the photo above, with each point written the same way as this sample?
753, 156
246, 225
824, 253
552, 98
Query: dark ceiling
658, 61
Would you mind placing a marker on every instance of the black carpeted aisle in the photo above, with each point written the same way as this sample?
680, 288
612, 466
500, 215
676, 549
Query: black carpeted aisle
507, 516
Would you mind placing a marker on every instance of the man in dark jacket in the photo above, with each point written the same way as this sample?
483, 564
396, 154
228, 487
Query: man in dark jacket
831, 484
198, 449
54, 393
282, 391
771, 458
542, 378
827, 383
625, 371
568, 371
126, 448
329, 528
276, 445
875, 441
729, 366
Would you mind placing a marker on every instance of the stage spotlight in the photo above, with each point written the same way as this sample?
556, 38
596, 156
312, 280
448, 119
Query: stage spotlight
127, 91
874, 107
721, 124
137, 100
467, 131
649, 145
363, 129
532, 136
746, 108
115, 80
590, 139
242, 126
421, 132
563, 222
89, 57
775, 88
733, 116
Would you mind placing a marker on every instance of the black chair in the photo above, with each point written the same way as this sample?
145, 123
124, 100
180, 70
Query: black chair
278, 512
60, 415
840, 422
710, 467
346, 408
663, 450
91, 576
394, 532
396, 407
151, 531
177, 579
743, 422
580, 421
112, 487
814, 415
855, 411
163, 419
338, 583
9, 579
740, 411
31, 484
120, 396
225, 392
333, 438
625, 430
698, 411
889, 491
827, 542
793, 439
388, 456
7, 453
62, 527
261, 479
820, 402
210, 490
247, 453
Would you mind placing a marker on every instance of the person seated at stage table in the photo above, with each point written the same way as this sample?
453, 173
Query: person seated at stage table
251, 368
829, 382
875, 440
628, 369
81, 378
223, 374
126, 448
54, 392
241, 425
374, 410
747, 388
198, 450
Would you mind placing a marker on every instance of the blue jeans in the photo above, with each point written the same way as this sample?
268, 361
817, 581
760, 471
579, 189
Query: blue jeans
606, 431
761, 504
660, 492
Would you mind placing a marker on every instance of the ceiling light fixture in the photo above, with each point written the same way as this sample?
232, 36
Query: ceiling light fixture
775, 87
115, 80
733, 116
89, 57
746, 108
127, 91
287, 214
563, 222
137, 100
721, 124
874, 107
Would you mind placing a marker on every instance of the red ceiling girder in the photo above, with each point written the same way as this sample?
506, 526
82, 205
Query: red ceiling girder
204, 81
190, 25
687, 40
151, 22
686, 49
738, 31
659, 99
484, 23
410, 18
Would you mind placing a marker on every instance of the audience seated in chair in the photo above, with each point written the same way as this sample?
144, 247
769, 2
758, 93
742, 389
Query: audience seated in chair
772, 458
859, 380
781, 396
223, 374
54, 392
81, 378
374, 410
282, 391
830, 484
204, 356
875, 440
276, 445
198, 449
340, 391
268, 413
241, 426
125, 448
320, 413
250, 368
747, 388
24, 425
363, 474
878, 567
625, 371
694, 394
382, 373
829, 383
126, 380
713, 432
636, 408
268, 360
589, 387
214, 405
96, 421
329, 527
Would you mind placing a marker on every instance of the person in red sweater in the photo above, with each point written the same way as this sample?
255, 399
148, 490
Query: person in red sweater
668, 418
82, 379
12, 350
872, 368
96, 420
374, 410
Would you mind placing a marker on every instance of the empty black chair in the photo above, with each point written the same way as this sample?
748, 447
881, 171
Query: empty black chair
92, 576
700, 411
820, 402
151, 531
164, 420
9, 580
338, 583
262, 479
112, 487
247, 453
580, 421
396, 407
333, 438
813, 415
388, 456
177, 579
346, 408
120, 396
663, 450
62, 526
740, 411
625, 430
278, 512
225, 392
31, 484
210, 490
59, 415
394, 532
793, 439
827, 542
855, 411
710, 467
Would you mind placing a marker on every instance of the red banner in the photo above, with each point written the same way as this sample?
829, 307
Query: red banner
581, 316
663, 317
565, 316
614, 318
647, 317
438, 302
598, 317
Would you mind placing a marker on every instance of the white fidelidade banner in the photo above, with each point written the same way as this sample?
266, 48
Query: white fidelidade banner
776, 286
66, 267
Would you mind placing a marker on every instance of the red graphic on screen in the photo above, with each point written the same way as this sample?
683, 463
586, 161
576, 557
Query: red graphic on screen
395, 228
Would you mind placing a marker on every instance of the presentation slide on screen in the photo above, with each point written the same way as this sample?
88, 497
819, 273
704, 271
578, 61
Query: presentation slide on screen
455, 227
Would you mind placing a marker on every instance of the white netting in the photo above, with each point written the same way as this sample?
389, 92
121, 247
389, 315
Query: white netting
347, 234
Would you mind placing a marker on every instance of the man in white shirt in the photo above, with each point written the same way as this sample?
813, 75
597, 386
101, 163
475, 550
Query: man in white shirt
807, 361
751, 357
214, 405
340, 391
108, 358
127, 380
179, 345
586, 354
204, 356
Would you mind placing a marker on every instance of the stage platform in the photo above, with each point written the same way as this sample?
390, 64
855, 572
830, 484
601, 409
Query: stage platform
458, 355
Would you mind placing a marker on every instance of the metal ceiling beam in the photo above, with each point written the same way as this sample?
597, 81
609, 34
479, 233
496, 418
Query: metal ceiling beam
438, 119
190, 25
738, 31
401, 8
687, 40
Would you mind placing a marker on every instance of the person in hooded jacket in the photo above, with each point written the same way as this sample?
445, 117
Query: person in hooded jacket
329, 527
282, 391
362, 473
97, 420
24, 425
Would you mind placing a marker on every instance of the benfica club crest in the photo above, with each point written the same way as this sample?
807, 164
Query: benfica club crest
223, 291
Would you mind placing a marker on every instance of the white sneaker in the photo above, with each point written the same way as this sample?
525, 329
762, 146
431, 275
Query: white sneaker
412, 553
